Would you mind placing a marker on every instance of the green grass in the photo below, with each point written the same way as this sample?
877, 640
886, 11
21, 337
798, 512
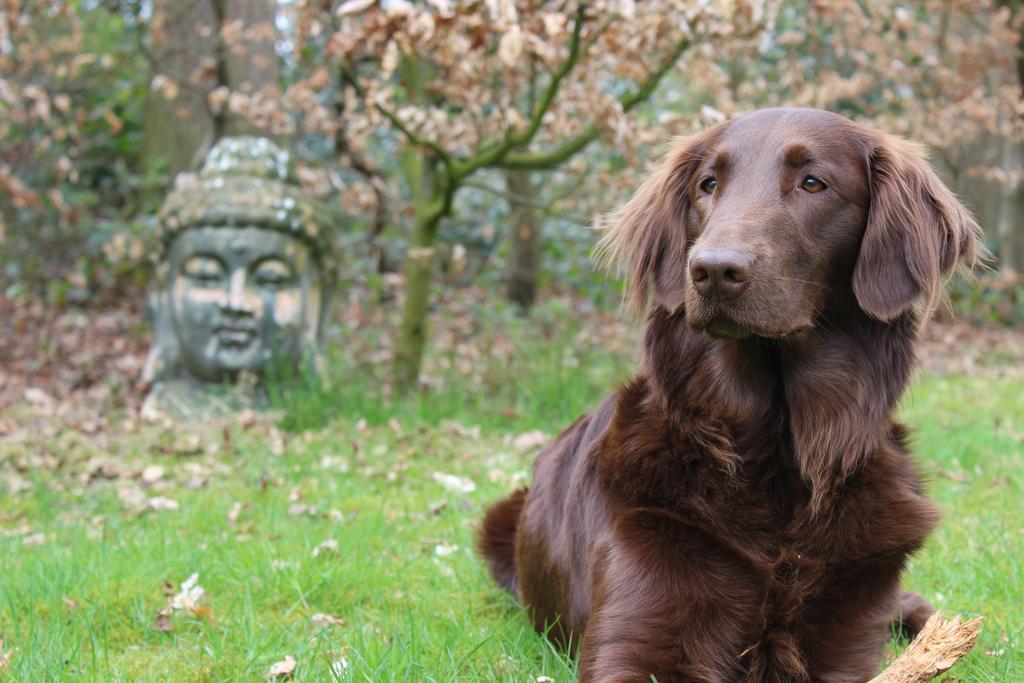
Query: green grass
415, 600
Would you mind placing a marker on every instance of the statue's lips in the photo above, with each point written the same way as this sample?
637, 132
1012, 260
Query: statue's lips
235, 336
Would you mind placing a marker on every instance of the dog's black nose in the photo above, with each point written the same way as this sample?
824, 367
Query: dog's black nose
721, 273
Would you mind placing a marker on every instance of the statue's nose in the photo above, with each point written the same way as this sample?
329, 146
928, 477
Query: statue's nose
239, 296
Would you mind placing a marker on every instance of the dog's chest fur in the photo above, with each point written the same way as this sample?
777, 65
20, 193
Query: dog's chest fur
747, 501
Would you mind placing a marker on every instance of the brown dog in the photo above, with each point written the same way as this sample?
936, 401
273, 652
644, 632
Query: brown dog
742, 509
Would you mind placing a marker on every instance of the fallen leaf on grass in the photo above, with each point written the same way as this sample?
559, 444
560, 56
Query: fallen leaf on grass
71, 604
326, 620
283, 669
454, 483
17, 485
101, 469
328, 546
186, 599
339, 667
298, 509
135, 500
205, 613
40, 400
247, 419
190, 594
5, 656
277, 442
152, 473
162, 622
443, 550
529, 440
461, 430
89, 426
37, 538
160, 503
335, 463
958, 476
189, 445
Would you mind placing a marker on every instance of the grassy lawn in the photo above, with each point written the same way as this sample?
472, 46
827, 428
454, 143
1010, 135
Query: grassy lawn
365, 513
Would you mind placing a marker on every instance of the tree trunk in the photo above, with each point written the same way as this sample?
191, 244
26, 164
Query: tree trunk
524, 241
186, 39
1011, 215
412, 330
428, 192
183, 37
257, 66
419, 269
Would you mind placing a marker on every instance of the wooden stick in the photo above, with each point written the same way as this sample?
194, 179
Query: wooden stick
935, 650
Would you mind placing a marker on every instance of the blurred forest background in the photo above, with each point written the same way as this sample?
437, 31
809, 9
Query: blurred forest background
468, 144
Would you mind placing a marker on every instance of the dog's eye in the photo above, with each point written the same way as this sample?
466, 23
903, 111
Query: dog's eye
708, 185
812, 184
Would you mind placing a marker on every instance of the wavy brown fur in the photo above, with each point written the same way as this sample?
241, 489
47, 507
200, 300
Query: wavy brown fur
741, 510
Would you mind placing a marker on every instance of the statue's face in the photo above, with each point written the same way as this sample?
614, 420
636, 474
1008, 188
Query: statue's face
239, 296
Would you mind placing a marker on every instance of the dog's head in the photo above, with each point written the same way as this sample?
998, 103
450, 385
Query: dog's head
758, 225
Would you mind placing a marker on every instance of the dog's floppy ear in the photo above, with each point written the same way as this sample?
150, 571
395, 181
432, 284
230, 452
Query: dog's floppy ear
647, 236
917, 232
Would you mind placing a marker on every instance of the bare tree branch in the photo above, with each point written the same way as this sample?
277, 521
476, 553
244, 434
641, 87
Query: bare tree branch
412, 137
935, 650
492, 154
544, 207
540, 161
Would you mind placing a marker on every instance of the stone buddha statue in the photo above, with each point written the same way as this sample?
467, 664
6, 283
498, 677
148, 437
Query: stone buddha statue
244, 264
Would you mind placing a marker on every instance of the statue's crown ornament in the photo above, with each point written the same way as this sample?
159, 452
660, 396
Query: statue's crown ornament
245, 182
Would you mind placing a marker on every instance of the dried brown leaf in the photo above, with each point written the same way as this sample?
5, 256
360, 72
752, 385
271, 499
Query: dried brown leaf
5, 656
283, 669
326, 620
162, 622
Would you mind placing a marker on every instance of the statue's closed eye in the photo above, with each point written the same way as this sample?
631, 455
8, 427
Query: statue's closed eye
273, 273
203, 269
